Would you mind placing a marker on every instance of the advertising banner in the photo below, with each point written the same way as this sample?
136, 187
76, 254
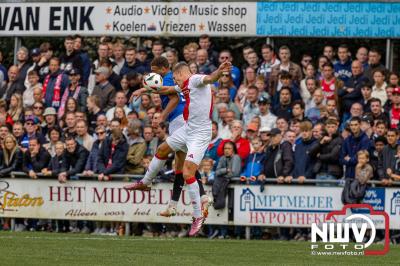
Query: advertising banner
97, 201
329, 19
300, 206
126, 19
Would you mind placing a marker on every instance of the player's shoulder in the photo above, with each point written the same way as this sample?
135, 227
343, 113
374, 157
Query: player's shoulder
196, 79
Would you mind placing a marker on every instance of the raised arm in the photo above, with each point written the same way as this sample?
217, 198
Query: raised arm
213, 77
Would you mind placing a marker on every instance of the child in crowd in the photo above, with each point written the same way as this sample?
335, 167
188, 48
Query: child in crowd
206, 171
254, 162
364, 171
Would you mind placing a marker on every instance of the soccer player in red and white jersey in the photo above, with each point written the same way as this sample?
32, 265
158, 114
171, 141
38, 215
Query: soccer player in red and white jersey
193, 138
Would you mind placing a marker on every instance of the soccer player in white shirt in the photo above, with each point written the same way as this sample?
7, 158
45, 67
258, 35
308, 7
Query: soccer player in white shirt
193, 138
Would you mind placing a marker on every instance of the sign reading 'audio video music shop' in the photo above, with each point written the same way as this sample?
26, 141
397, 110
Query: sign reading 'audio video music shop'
137, 18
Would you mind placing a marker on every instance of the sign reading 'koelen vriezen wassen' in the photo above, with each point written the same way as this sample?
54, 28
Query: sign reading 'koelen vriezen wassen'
138, 18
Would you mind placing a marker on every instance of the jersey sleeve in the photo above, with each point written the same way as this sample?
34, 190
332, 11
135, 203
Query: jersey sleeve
197, 80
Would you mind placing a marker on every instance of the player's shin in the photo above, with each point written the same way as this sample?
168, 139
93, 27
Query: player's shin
194, 194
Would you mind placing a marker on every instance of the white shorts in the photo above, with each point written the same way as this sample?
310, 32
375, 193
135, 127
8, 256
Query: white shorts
175, 124
193, 146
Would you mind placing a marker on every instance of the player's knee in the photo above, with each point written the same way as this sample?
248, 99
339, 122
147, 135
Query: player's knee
163, 150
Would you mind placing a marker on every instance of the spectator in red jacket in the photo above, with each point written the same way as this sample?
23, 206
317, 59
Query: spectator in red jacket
242, 144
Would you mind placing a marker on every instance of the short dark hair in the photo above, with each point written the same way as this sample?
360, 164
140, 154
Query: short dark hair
394, 130
160, 62
375, 100
215, 124
267, 46
286, 88
355, 119
204, 36
285, 75
343, 46
299, 102
328, 64
69, 137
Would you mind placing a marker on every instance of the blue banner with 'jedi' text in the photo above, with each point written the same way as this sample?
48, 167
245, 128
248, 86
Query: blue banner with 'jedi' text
329, 19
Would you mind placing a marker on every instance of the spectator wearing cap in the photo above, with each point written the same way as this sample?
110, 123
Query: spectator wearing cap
388, 158
356, 142
31, 126
242, 144
54, 84
267, 118
131, 63
75, 160
251, 131
279, 160
250, 108
304, 164
50, 120
71, 58
13, 85
74, 90
104, 90
265, 137
394, 112
284, 108
325, 152
351, 92
112, 155
35, 158
35, 57
367, 124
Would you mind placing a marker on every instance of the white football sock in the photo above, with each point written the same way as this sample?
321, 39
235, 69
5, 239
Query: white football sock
194, 194
155, 166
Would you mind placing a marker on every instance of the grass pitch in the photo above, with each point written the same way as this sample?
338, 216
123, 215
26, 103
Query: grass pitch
69, 249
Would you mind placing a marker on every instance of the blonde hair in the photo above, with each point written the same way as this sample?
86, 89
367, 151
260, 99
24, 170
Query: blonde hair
363, 152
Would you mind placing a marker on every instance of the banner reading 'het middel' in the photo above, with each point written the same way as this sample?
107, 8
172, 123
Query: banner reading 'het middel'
97, 201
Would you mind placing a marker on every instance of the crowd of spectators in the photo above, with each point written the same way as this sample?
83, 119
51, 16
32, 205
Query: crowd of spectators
327, 117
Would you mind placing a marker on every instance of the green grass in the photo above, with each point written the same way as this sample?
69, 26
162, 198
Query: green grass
69, 249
